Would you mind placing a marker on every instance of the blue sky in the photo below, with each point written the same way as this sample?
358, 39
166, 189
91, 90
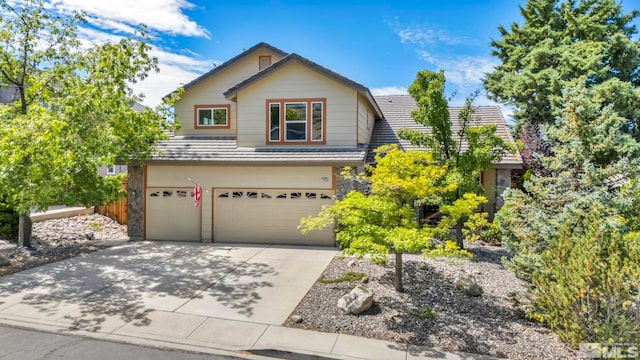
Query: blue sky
380, 44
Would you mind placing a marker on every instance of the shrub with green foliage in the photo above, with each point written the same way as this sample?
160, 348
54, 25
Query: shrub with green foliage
588, 280
8, 222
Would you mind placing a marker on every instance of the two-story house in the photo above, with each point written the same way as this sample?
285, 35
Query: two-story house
264, 135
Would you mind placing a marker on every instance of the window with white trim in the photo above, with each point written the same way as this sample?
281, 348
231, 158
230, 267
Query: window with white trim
296, 121
212, 116
111, 170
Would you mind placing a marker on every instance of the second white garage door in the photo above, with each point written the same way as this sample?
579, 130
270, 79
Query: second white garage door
268, 216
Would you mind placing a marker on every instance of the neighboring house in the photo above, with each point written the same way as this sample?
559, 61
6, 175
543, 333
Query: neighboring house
264, 135
113, 170
119, 168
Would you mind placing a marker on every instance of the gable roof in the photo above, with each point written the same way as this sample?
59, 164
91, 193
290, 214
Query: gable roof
397, 115
233, 60
361, 89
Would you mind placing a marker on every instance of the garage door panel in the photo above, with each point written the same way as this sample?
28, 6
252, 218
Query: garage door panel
171, 215
269, 216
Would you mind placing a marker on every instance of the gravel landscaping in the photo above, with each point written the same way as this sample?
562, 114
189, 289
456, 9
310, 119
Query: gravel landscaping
431, 311
58, 239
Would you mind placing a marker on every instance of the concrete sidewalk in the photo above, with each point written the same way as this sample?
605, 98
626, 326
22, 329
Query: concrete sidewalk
198, 297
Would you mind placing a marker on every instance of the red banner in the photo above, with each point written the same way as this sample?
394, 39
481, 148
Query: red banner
196, 194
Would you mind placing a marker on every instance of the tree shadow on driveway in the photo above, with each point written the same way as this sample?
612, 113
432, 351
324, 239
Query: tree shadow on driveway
107, 289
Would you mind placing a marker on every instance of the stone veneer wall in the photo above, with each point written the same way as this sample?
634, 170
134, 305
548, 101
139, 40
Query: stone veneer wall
343, 186
503, 182
135, 203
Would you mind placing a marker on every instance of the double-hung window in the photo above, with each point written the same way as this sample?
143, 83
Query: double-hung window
296, 121
212, 116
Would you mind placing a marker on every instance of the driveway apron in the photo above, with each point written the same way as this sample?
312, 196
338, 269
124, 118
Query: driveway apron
167, 290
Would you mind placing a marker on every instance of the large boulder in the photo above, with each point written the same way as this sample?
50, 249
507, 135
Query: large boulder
356, 301
468, 285
4, 261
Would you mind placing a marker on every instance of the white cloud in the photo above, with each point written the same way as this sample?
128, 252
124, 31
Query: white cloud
467, 69
389, 90
167, 80
465, 72
418, 35
175, 69
122, 15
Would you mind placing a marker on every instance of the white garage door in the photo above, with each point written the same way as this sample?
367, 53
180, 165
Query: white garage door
268, 216
171, 215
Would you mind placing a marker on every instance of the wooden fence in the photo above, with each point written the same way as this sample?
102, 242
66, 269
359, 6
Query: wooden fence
116, 210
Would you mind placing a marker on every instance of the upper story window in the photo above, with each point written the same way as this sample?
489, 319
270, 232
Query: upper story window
296, 121
264, 61
211, 116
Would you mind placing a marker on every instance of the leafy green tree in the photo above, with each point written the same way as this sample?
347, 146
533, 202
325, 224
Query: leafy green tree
465, 153
559, 44
384, 221
73, 112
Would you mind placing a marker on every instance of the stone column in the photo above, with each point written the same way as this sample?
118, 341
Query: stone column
503, 182
344, 186
135, 202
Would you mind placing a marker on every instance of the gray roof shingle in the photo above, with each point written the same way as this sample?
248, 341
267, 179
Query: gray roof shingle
216, 149
397, 115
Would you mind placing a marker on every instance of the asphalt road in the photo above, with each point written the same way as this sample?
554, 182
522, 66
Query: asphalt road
21, 344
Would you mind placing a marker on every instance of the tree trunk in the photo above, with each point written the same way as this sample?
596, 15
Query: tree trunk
459, 240
398, 277
24, 231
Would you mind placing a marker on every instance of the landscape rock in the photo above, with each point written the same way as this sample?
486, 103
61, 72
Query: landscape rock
358, 300
4, 261
467, 284
351, 263
296, 319
58, 239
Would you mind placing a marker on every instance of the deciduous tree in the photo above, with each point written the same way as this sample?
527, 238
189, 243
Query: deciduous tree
73, 110
464, 152
384, 221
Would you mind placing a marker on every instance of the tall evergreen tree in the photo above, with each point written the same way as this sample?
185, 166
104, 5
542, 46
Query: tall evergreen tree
559, 44
575, 233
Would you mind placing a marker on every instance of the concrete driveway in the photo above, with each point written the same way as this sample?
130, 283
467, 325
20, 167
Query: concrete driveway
165, 291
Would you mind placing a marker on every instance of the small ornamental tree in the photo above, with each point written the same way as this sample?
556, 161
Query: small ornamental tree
464, 153
384, 221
